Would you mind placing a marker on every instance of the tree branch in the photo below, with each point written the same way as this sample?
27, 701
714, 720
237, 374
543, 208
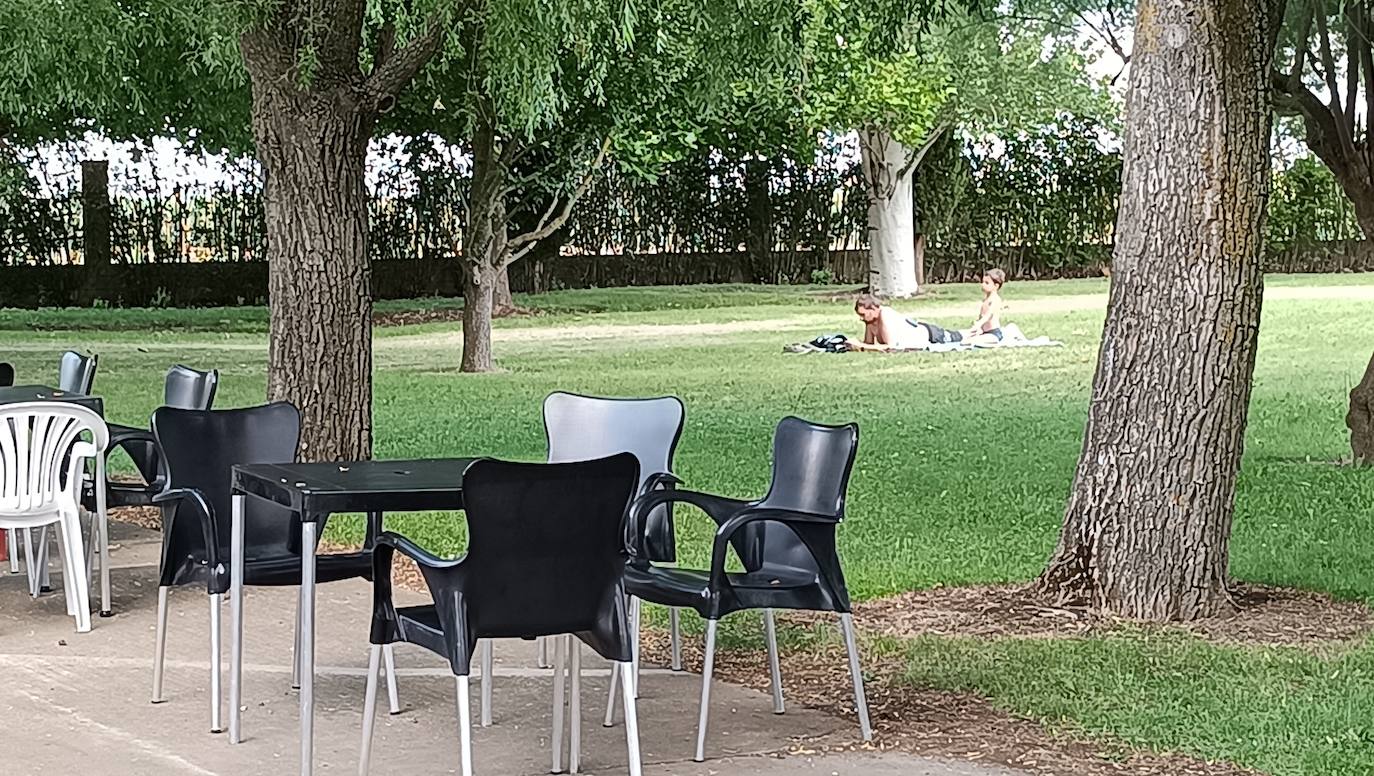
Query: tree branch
1344, 129
393, 74
1300, 47
548, 224
385, 45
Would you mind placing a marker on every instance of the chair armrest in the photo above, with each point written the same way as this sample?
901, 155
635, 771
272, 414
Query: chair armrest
122, 435
415, 552
721, 545
208, 526
719, 508
659, 480
141, 446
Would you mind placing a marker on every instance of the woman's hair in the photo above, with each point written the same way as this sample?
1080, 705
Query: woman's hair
998, 276
867, 302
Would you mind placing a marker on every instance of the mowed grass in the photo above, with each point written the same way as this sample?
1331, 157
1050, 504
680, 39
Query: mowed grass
965, 462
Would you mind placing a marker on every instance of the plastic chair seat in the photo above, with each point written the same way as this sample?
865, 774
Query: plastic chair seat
691, 588
281, 570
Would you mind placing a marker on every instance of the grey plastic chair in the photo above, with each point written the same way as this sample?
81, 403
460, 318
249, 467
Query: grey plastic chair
581, 428
185, 389
76, 373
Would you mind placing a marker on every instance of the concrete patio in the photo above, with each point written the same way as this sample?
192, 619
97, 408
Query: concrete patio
79, 703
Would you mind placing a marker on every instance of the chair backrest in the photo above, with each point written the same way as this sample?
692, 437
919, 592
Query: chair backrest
811, 466
546, 551
200, 447
76, 373
581, 428
39, 455
190, 389
6, 375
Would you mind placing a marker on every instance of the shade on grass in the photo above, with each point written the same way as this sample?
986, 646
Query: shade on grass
964, 466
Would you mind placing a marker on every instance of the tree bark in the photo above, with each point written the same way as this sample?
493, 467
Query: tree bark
1360, 419
887, 170
1148, 522
479, 274
502, 301
312, 143
758, 213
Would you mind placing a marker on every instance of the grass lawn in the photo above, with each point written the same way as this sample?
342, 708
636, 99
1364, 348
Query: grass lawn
964, 465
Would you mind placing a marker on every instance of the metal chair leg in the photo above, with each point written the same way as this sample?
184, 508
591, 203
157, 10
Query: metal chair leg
393, 693
160, 648
860, 700
706, 671
610, 701
575, 704
12, 542
465, 725
559, 685
374, 660
770, 629
215, 724
102, 515
636, 609
631, 728
488, 668
675, 638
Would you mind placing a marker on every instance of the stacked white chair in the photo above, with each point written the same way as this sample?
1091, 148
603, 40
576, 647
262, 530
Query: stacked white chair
44, 447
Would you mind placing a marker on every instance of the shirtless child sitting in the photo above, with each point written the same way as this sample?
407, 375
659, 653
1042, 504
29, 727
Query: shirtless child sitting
987, 329
887, 329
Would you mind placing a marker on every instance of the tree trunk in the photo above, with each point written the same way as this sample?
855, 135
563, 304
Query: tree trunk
758, 213
502, 301
312, 143
479, 286
1360, 419
1148, 522
891, 229
480, 275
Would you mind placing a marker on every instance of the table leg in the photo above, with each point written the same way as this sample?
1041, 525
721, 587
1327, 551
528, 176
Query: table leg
307, 626
236, 621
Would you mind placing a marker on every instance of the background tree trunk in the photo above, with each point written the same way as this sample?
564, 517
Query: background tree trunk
1147, 526
891, 228
502, 301
1360, 419
312, 144
480, 275
758, 213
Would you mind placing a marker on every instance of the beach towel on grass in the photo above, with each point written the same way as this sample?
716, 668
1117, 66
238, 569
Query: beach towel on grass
1012, 337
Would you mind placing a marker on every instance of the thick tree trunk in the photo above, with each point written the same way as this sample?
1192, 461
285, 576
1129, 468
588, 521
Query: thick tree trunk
312, 144
1147, 526
891, 228
1360, 419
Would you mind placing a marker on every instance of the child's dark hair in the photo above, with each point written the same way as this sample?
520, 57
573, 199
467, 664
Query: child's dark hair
867, 302
997, 275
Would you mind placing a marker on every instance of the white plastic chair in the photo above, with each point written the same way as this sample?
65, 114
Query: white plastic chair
42, 459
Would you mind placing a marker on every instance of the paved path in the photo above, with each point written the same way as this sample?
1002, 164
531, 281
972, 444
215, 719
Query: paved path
79, 703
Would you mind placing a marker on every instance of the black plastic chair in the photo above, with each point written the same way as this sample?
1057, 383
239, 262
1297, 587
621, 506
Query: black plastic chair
199, 448
546, 557
76, 373
184, 388
785, 541
6, 374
